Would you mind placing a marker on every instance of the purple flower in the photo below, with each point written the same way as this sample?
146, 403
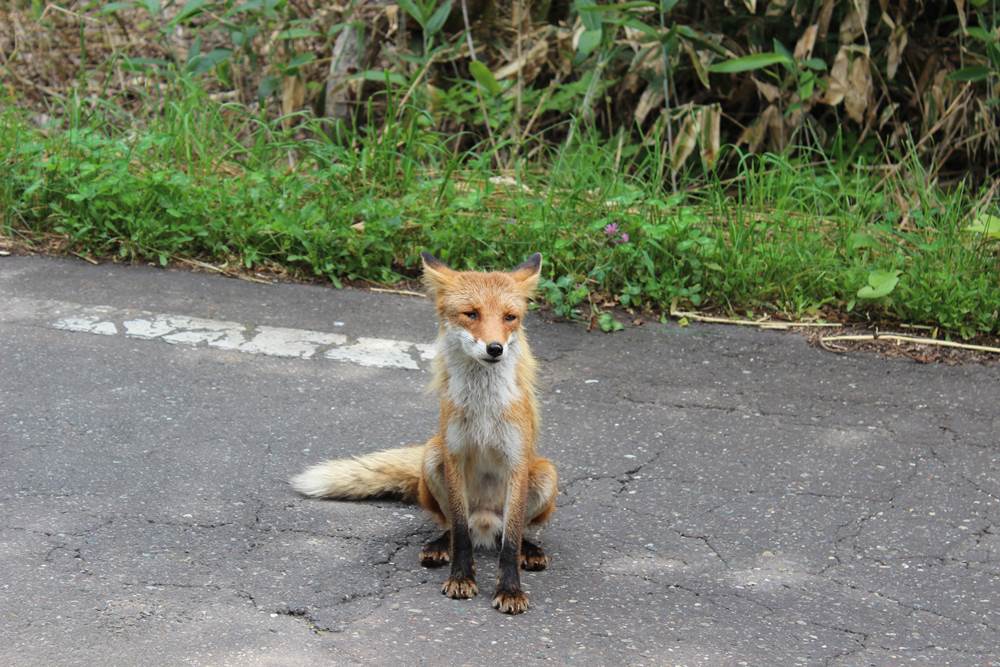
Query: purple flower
611, 230
623, 238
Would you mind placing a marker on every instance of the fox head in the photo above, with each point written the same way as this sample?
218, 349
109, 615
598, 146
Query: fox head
481, 314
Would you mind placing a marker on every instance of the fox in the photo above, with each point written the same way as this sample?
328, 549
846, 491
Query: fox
479, 476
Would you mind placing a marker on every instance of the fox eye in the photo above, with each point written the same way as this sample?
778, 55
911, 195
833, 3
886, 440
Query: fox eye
509, 317
471, 314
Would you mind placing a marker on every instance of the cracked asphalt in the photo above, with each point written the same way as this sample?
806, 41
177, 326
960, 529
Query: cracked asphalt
728, 497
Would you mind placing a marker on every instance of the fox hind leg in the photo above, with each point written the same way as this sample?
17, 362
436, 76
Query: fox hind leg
542, 491
541, 503
533, 558
433, 495
435, 553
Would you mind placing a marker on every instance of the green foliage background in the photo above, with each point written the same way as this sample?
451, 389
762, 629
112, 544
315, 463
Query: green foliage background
799, 159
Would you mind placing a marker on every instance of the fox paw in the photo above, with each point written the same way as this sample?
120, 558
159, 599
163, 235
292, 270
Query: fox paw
510, 602
430, 557
533, 559
532, 556
460, 588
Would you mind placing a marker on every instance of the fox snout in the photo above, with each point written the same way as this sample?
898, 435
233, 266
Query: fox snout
494, 353
496, 339
482, 349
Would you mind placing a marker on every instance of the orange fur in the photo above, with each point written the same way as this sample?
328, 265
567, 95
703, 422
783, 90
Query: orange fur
480, 474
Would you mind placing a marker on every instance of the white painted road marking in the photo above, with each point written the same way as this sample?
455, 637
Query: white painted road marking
249, 339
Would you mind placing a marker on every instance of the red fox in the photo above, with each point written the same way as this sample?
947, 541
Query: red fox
479, 476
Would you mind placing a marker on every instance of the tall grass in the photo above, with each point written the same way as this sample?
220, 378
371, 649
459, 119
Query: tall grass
792, 236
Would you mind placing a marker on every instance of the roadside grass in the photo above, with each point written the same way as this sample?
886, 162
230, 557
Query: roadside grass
790, 236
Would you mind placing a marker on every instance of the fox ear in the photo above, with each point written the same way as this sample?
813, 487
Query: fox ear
436, 274
527, 273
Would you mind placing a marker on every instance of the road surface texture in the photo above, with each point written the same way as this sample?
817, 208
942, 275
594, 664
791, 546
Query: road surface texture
728, 497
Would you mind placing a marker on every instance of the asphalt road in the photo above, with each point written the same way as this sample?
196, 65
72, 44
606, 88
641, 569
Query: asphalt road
728, 497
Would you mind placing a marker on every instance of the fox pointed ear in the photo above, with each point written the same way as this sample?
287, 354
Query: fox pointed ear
527, 273
436, 274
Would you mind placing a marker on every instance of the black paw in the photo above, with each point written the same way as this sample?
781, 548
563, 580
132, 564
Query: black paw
460, 588
437, 552
532, 557
431, 557
510, 601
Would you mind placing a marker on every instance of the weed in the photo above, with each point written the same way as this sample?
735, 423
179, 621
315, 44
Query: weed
793, 236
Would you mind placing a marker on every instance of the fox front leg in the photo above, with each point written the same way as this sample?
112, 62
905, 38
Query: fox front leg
508, 597
461, 583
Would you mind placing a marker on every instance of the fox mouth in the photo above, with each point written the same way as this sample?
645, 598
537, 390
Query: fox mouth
490, 360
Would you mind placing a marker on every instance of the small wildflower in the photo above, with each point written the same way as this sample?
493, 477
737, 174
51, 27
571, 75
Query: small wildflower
624, 238
611, 230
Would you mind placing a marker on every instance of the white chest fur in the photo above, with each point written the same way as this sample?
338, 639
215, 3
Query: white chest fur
483, 394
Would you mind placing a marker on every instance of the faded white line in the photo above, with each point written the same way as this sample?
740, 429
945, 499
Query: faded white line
90, 323
234, 336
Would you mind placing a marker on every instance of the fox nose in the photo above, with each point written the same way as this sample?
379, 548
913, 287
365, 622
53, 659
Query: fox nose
494, 349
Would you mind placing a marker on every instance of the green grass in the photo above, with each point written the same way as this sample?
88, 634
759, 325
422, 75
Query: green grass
789, 236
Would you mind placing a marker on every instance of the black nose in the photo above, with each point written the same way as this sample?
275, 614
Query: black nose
494, 349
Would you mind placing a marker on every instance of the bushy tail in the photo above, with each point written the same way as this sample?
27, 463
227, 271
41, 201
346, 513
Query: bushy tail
393, 472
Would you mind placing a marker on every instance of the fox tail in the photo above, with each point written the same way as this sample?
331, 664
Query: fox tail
393, 472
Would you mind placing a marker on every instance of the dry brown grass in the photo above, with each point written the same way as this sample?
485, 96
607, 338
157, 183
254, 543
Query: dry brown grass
886, 75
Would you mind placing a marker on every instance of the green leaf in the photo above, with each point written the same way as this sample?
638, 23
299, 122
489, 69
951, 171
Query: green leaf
381, 76
264, 7
689, 33
981, 34
411, 8
297, 33
591, 19
608, 323
644, 28
589, 40
808, 84
191, 9
780, 49
987, 225
748, 63
142, 64
815, 63
205, 62
194, 48
859, 240
267, 86
880, 284
113, 7
974, 73
152, 6
621, 7
484, 77
299, 60
438, 18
